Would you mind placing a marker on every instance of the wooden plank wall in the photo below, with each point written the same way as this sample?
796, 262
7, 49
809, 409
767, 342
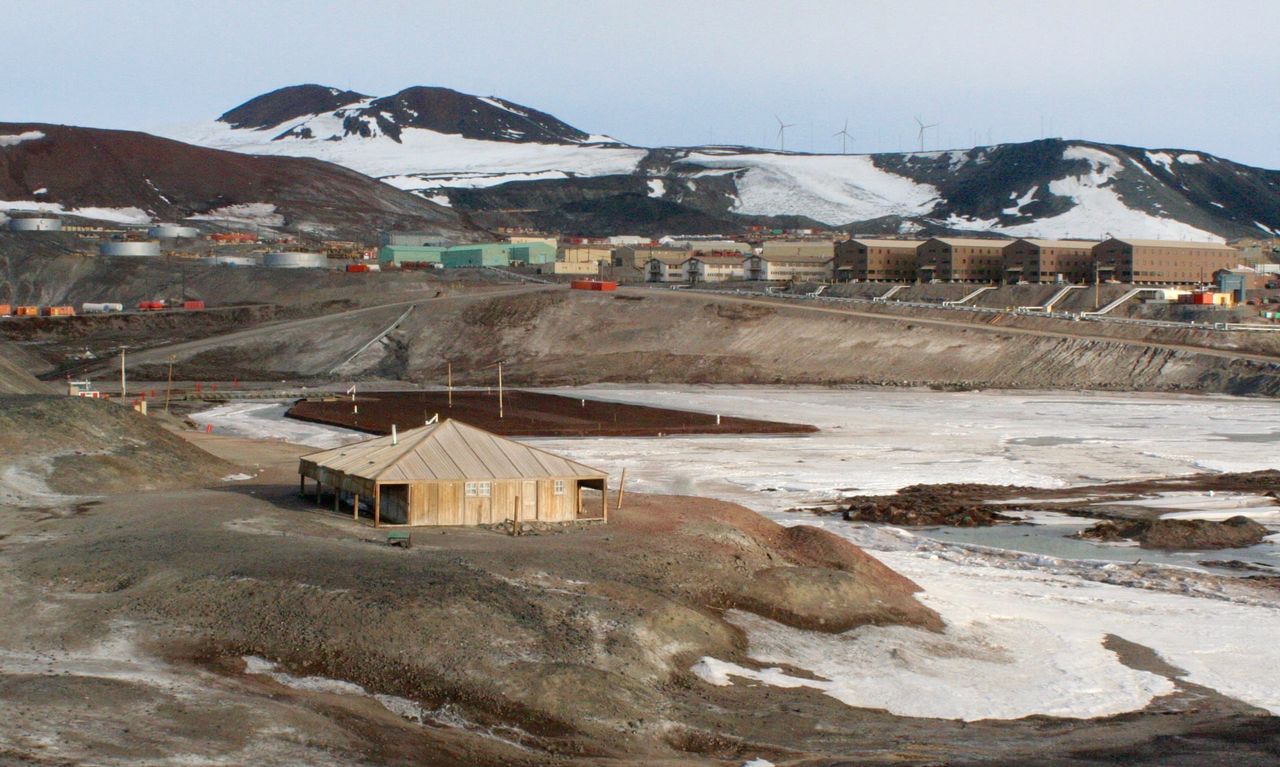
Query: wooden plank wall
446, 503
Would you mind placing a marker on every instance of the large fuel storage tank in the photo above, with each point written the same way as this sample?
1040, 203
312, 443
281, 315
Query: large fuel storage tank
295, 260
35, 223
130, 248
173, 232
228, 261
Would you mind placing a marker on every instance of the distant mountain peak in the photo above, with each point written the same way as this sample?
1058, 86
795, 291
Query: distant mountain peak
306, 111
288, 103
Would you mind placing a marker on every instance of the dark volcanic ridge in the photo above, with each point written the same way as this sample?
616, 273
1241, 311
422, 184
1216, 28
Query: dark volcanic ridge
78, 168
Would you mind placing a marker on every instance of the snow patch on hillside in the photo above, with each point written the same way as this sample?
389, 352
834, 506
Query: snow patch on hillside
828, 188
657, 187
13, 139
422, 159
254, 213
113, 215
1099, 211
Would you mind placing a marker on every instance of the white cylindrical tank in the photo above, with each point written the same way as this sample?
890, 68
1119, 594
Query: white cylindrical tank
295, 260
131, 248
35, 224
101, 308
172, 231
227, 261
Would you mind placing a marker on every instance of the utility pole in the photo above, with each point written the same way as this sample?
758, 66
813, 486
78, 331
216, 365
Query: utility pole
169, 389
500, 415
1097, 286
123, 391
450, 384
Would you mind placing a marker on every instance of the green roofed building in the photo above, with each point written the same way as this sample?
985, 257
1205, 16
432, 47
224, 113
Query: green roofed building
396, 255
473, 255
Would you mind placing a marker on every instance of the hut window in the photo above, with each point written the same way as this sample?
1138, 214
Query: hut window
559, 487
483, 489
471, 488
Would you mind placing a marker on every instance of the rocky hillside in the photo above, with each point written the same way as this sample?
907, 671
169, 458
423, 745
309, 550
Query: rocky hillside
509, 164
549, 338
127, 177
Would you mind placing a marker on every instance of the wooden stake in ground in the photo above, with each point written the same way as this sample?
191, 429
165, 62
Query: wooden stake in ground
621, 483
500, 390
450, 384
169, 389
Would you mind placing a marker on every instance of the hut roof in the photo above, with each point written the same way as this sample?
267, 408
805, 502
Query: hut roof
449, 450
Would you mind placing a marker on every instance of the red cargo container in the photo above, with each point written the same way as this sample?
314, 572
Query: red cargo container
593, 285
193, 306
357, 267
150, 306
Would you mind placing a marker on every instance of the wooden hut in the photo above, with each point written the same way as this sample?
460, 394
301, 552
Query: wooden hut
451, 473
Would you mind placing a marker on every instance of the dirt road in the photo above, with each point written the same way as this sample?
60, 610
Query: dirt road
161, 354
1083, 332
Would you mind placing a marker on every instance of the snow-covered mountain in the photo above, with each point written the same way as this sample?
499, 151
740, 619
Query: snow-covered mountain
505, 163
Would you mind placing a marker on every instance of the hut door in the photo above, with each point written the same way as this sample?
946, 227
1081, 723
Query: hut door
528, 499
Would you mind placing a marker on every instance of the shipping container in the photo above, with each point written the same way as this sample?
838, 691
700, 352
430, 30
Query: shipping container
150, 306
193, 306
28, 311
58, 311
6, 310
593, 285
357, 267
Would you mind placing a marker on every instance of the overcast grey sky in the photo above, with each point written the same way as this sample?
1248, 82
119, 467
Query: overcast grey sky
1195, 75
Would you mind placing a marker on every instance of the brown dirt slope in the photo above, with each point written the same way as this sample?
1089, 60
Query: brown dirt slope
16, 372
66, 446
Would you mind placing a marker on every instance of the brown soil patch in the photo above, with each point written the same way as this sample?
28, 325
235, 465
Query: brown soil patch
525, 414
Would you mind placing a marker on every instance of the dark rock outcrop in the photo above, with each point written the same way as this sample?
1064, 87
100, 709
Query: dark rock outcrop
1180, 534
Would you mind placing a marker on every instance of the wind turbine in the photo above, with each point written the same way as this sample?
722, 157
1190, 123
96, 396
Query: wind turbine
844, 136
782, 133
923, 128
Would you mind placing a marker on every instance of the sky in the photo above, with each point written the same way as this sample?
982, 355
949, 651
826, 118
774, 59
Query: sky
1168, 74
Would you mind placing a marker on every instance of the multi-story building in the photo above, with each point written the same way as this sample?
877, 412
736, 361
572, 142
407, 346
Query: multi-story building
871, 260
820, 249
801, 268
637, 256
666, 267
1162, 262
1030, 260
713, 267
960, 259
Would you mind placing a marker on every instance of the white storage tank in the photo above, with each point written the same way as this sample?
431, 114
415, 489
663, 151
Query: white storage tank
129, 248
35, 224
295, 260
172, 232
228, 261
106, 308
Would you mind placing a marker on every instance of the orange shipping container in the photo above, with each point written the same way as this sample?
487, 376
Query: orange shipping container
6, 310
59, 311
28, 311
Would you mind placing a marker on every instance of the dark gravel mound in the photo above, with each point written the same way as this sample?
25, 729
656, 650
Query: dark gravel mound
525, 413
1180, 534
952, 505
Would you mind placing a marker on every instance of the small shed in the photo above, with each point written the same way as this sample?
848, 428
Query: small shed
451, 473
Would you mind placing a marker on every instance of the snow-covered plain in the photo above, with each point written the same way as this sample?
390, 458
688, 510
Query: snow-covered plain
1025, 632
